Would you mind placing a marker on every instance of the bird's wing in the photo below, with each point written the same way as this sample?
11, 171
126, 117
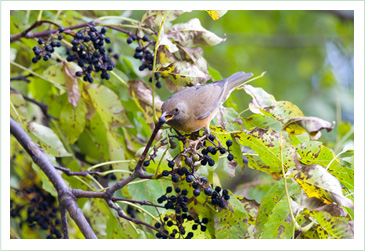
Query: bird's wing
205, 98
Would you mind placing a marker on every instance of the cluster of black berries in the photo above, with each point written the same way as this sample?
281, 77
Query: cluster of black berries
217, 198
213, 150
90, 53
146, 57
45, 49
158, 83
41, 211
178, 202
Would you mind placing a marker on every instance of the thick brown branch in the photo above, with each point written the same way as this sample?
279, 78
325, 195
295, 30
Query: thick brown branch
65, 196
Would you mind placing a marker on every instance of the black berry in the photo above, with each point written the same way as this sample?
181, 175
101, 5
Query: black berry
146, 163
229, 142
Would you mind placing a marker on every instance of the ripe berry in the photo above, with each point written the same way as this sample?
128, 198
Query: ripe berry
205, 152
211, 137
230, 157
108, 40
211, 162
146, 163
103, 30
218, 189
203, 228
222, 150
227, 197
213, 151
205, 220
195, 185
175, 178
229, 143
195, 227
203, 162
208, 191
204, 180
168, 189
158, 84
184, 192
159, 235
190, 235
170, 223
60, 29
145, 38
184, 170
142, 67
171, 164
40, 41
34, 60
196, 192
189, 178
129, 40
53, 44
138, 49
178, 190
225, 192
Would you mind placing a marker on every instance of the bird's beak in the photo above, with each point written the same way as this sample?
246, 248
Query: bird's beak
167, 116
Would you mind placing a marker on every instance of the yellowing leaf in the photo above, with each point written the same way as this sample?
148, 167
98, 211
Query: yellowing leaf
19, 104
71, 84
318, 182
312, 125
154, 17
314, 152
142, 94
334, 226
216, 14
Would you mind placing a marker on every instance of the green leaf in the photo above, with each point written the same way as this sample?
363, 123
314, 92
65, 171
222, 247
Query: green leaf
252, 208
214, 74
108, 106
149, 191
216, 14
72, 120
262, 121
46, 183
47, 139
265, 142
335, 227
264, 103
315, 153
312, 125
192, 33
117, 152
317, 182
232, 221
19, 104
279, 224
269, 202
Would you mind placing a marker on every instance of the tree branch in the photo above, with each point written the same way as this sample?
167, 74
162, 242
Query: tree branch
65, 195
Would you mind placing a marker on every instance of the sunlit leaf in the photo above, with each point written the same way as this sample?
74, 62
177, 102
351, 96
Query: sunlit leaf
318, 182
165, 41
216, 14
265, 142
192, 33
47, 139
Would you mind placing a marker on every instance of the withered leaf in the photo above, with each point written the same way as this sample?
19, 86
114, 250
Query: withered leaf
71, 84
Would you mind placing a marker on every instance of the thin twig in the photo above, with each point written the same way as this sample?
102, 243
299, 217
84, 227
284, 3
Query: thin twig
64, 223
22, 78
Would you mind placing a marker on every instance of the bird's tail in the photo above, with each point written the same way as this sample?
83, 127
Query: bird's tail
237, 79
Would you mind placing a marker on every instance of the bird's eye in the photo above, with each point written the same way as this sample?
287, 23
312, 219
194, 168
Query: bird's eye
176, 110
